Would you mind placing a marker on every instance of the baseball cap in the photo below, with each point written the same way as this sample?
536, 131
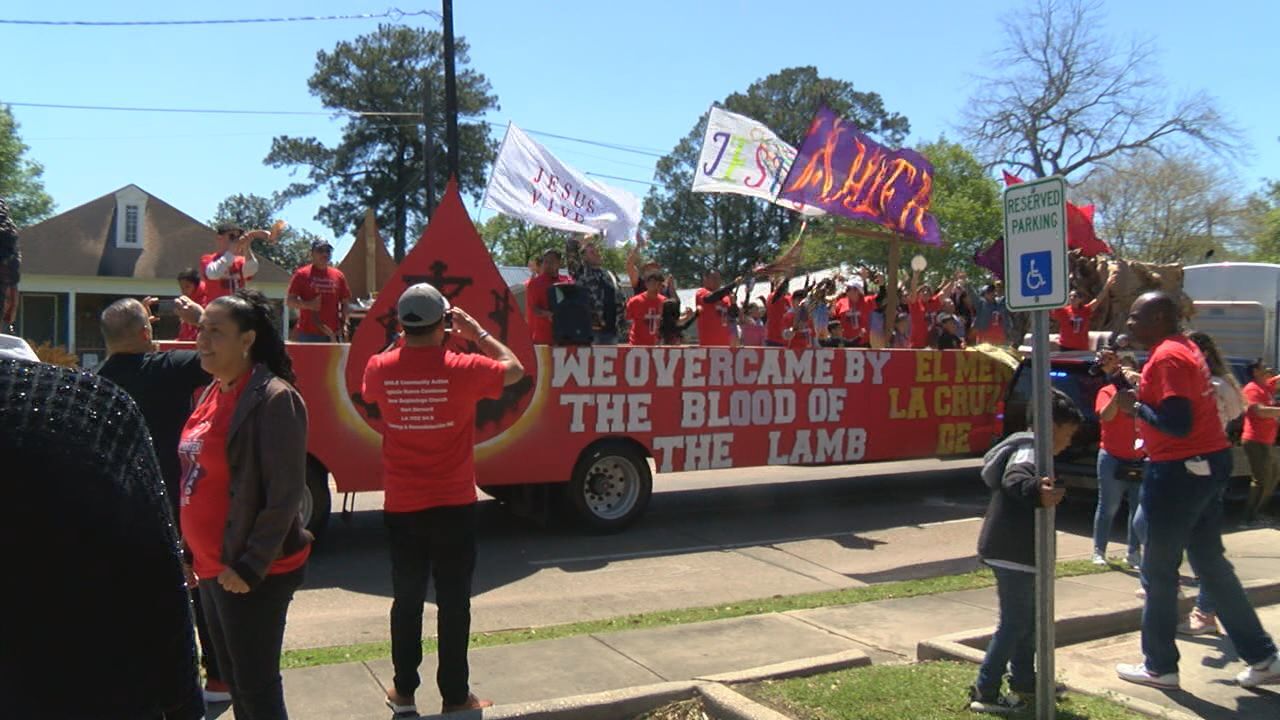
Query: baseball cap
421, 305
855, 284
321, 244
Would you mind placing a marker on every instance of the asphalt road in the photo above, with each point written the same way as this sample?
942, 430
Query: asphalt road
707, 538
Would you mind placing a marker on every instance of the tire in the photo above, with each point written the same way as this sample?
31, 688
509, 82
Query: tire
610, 487
316, 502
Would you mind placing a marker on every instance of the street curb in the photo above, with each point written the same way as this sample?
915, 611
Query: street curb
609, 705
726, 704
793, 668
968, 646
1077, 627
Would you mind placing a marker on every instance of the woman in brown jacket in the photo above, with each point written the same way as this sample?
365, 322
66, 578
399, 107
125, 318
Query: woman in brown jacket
244, 455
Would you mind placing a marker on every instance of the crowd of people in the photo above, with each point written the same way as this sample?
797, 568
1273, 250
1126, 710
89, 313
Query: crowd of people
171, 483
837, 311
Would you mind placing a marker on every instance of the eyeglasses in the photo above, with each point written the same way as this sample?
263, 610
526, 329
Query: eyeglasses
653, 278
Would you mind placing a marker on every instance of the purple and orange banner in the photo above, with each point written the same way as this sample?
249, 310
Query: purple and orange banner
845, 172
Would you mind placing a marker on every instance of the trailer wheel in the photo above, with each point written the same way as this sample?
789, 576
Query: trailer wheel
610, 487
316, 503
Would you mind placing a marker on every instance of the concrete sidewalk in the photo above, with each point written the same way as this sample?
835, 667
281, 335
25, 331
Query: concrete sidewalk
883, 631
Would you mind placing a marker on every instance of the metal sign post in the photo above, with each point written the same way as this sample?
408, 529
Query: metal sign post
1036, 279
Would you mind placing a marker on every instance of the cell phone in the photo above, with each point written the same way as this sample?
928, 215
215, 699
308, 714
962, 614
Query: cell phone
166, 307
448, 319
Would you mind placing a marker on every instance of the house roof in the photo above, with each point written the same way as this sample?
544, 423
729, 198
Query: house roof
82, 241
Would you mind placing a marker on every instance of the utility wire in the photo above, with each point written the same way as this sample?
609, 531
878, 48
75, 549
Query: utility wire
623, 179
395, 14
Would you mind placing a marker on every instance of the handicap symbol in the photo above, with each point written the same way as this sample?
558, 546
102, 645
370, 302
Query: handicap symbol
1036, 283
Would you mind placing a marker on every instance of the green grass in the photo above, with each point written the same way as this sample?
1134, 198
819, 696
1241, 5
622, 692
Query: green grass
922, 691
779, 603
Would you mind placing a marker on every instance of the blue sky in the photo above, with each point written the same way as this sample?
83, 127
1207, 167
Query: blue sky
638, 74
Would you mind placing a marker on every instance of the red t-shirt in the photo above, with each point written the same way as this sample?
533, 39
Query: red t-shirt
1176, 368
1120, 433
330, 285
427, 397
923, 313
713, 319
187, 331
645, 315
206, 484
802, 338
235, 279
537, 296
1073, 327
773, 324
855, 318
1257, 428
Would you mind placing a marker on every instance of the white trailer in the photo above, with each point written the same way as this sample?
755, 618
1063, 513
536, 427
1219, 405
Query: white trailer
1237, 304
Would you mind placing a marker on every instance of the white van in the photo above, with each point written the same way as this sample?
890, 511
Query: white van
1237, 304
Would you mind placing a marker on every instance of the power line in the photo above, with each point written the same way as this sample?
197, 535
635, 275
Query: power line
615, 177
395, 14
218, 111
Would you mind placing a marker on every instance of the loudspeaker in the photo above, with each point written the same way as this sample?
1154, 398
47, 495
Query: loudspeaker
570, 314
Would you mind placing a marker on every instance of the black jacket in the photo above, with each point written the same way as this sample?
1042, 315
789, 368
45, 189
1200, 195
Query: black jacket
92, 562
1009, 528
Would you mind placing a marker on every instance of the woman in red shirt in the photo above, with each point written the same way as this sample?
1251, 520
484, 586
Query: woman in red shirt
1120, 464
243, 453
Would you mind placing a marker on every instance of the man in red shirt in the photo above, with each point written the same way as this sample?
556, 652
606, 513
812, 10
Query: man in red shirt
713, 304
853, 310
1073, 320
537, 298
193, 290
797, 324
320, 294
233, 264
923, 306
1190, 464
778, 305
1260, 426
426, 396
644, 312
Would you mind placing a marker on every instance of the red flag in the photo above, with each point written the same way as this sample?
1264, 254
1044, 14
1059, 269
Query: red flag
1080, 233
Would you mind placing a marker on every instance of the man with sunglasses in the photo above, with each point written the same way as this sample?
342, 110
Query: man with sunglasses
233, 264
320, 294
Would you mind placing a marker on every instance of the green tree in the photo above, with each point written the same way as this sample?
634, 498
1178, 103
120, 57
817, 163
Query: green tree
515, 242
966, 203
1173, 208
290, 251
379, 161
20, 183
1261, 224
690, 231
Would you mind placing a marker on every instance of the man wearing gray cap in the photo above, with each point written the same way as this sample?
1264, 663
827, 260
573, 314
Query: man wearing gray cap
426, 396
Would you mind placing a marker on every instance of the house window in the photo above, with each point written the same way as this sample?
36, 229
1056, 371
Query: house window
131, 226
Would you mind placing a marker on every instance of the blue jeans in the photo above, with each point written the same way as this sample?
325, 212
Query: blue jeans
1111, 490
1014, 643
1183, 513
310, 338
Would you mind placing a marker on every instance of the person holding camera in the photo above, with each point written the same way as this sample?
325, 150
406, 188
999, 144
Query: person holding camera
1121, 463
426, 396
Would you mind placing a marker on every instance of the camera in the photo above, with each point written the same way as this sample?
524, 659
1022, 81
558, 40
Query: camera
166, 307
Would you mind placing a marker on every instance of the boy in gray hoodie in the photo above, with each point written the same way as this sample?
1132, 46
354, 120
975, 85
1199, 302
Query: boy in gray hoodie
1007, 544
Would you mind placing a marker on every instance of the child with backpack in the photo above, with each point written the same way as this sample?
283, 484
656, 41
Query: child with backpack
1007, 545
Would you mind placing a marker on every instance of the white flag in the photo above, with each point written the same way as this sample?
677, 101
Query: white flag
740, 155
529, 183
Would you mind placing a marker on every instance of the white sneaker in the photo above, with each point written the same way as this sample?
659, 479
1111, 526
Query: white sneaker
1140, 675
1099, 559
1134, 560
1266, 672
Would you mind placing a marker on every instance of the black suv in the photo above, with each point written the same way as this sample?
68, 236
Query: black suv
1070, 373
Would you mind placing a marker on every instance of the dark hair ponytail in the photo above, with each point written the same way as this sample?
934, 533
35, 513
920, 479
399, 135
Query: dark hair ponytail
252, 311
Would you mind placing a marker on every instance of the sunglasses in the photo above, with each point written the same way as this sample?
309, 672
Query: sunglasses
657, 278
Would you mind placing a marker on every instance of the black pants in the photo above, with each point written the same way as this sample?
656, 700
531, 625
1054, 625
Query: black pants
437, 543
207, 659
247, 632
